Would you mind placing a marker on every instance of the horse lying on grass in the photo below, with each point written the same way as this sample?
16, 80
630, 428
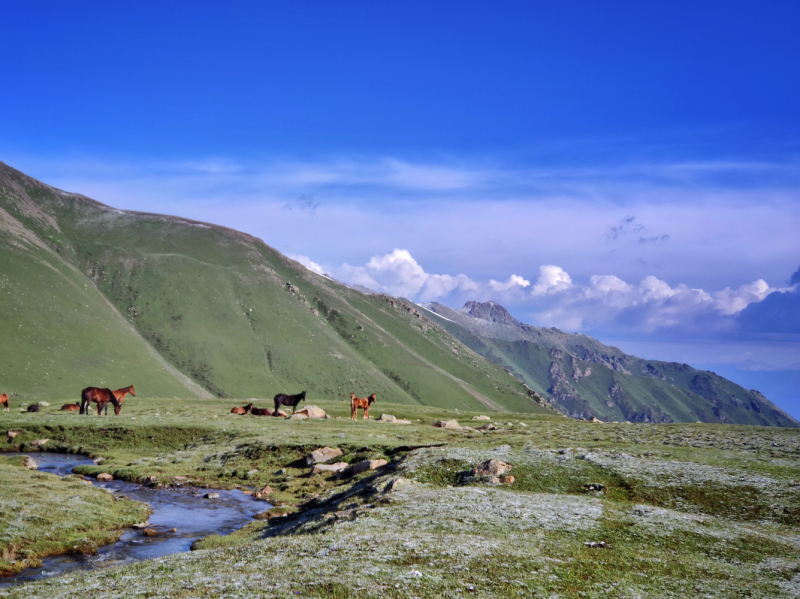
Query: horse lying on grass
243, 410
281, 399
70, 407
360, 402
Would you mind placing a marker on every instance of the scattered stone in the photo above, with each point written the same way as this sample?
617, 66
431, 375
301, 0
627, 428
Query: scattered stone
594, 487
173, 530
211, 496
151, 481
600, 545
595, 419
487, 427
523, 424
150, 532
98, 460
262, 515
337, 467
486, 418
340, 436
267, 490
246, 492
508, 480
323, 455
449, 424
180, 477
494, 480
11, 434
491, 468
281, 472
104, 477
364, 466
140, 525
298, 416
312, 412
387, 418
39, 442
252, 472
29, 463
43, 404
509, 424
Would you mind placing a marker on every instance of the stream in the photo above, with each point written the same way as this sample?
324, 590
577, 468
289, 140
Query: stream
183, 508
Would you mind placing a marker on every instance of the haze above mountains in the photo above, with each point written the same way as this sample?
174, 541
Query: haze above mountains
95, 295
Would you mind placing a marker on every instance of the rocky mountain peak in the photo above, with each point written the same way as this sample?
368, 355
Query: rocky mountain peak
491, 311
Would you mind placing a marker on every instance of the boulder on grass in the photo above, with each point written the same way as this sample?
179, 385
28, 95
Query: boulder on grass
364, 466
322, 455
337, 467
39, 442
449, 424
312, 412
491, 468
482, 418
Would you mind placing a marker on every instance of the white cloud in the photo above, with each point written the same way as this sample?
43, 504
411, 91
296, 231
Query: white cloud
513, 281
552, 279
308, 263
730, 301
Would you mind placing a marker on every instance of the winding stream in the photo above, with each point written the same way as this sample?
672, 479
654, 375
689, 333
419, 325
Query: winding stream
181, 508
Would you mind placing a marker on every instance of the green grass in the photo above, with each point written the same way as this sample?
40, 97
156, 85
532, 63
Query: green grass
694, 510
42, 514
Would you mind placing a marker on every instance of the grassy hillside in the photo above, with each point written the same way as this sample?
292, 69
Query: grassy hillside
585, 379
59, 334
230, 313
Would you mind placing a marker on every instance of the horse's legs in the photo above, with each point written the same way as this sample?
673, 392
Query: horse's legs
366, 413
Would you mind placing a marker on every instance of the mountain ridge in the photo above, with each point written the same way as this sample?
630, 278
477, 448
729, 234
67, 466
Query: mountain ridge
563, 367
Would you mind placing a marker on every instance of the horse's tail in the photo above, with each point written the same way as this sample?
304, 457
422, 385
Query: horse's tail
83, 402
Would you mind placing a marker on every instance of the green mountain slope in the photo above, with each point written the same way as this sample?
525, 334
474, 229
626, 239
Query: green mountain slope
584, 378
228, 312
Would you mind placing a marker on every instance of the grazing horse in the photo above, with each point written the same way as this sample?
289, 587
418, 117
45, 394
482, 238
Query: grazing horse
100, 396
120, 395
360, 402
71, 407
281, 399
243, 410
4, 402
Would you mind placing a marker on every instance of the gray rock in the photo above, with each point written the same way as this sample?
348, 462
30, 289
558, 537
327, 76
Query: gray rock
29, 463
323, 454
211, 496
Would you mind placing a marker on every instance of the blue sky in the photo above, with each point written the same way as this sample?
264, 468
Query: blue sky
628, 170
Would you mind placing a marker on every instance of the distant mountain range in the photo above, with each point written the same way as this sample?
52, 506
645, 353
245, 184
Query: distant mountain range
584, 378
92, 295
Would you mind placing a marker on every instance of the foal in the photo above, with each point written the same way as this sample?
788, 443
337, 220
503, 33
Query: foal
360, 402
243, 410
4, 402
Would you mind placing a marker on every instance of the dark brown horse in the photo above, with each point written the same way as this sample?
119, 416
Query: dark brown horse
4, 402
281, 399
360, 402
243, 410
71, 407
102, 397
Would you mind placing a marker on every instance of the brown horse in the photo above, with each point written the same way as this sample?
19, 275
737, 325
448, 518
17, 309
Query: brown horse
102, 397
71, 407
360, 402
281, 399
243, 410
4, 402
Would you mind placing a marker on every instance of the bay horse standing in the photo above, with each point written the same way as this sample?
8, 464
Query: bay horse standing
281, 399
4, 402
102, 397
360, 402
